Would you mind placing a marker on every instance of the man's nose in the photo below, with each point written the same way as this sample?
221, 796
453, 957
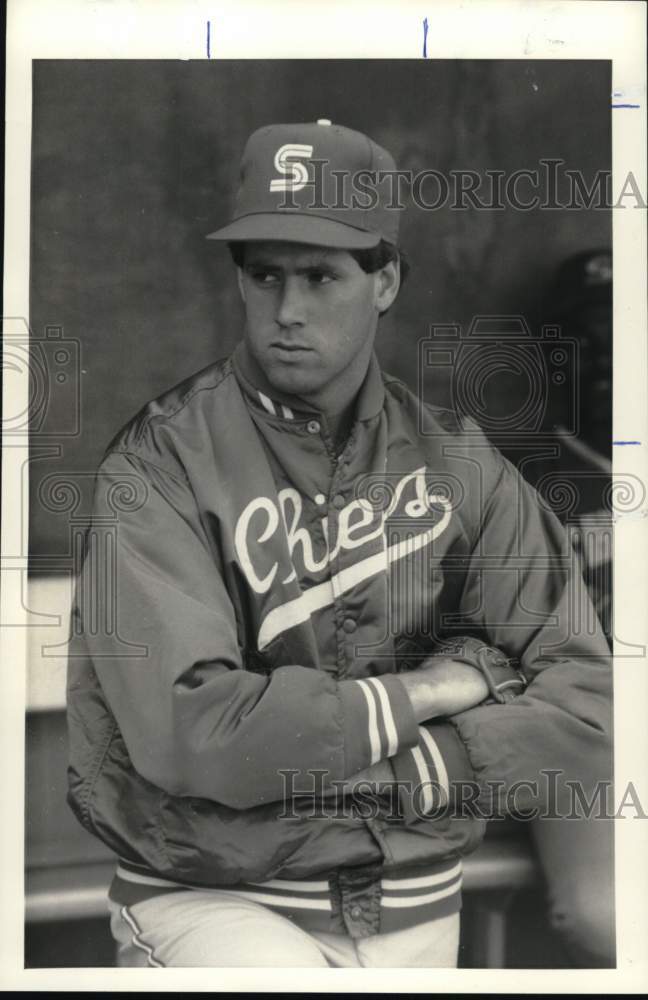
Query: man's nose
291, 309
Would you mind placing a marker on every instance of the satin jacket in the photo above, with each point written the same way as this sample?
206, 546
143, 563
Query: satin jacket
247, 599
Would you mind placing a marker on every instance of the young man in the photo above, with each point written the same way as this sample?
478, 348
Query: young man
297, 537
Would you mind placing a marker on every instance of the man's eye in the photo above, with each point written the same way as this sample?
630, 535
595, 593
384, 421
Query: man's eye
317, 277
264, 277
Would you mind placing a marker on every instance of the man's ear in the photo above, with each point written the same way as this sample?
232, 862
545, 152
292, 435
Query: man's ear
239, 278
387, 285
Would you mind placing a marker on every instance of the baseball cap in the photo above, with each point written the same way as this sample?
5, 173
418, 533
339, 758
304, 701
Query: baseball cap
315, 183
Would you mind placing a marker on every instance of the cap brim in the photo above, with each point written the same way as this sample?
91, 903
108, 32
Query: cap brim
295, 228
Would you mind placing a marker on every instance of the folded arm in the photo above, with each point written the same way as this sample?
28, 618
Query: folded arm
194, 722
524, 594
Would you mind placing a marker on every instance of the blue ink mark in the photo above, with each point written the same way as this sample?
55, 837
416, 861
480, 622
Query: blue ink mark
425, 32
626, 442
626, 105
208, 40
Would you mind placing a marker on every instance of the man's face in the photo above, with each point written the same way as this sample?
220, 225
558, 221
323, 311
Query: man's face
311, 314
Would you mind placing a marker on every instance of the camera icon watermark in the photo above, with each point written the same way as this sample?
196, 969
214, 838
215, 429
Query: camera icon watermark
498, 374
49, 368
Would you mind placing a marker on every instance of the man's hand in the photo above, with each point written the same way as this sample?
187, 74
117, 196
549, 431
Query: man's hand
442, 686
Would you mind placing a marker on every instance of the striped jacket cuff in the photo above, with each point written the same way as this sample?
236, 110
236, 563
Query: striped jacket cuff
427, 772
379, 721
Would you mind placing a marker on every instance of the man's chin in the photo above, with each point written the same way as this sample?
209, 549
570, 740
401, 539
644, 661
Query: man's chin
294, 380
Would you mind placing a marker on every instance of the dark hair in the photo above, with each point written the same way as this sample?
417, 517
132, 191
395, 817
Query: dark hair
376, 257
370, 260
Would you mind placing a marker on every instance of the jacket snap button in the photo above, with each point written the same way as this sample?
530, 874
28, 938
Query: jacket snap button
356, 912
349, 625
313, 426
338, 501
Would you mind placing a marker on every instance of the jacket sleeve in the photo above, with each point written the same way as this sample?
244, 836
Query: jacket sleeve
524, 593
161, 631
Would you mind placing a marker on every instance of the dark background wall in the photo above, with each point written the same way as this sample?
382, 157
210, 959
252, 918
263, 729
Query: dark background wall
133, 162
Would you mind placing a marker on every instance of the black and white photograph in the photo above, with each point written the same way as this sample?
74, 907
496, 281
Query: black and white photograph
317, 503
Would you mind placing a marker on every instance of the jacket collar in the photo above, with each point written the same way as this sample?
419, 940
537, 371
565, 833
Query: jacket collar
253, 381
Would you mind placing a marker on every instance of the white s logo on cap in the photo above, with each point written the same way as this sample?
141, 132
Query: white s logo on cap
287, 161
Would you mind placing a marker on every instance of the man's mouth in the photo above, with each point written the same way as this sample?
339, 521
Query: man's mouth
290, 350
289, 346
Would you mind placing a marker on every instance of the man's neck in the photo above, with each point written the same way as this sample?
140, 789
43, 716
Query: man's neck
338, 401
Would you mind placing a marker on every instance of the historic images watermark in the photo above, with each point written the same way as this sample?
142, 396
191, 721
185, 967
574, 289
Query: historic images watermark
39, 423
396, 505
52, 366
548, 186
464, 362
550, 795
